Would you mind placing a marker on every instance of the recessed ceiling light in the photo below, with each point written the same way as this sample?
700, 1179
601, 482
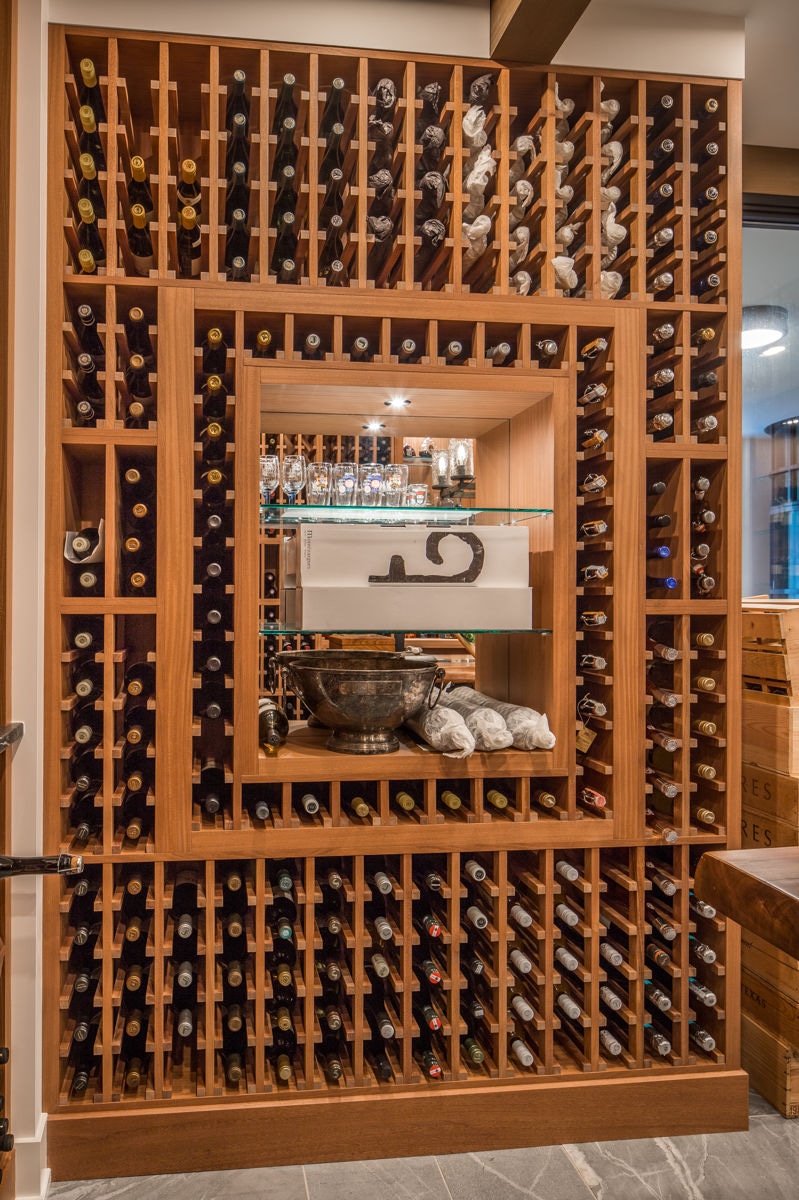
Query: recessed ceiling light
397, 402
770, 351
373, 426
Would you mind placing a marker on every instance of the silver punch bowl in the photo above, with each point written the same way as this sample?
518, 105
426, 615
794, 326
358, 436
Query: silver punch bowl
361, 695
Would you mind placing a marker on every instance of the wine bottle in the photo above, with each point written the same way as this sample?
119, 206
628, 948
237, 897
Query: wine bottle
53, 864
189, 192
89, 92
137, 333
89, 139
662, 333
286, 243
660, 827
87, 332
238, 143
287, 150
237, 242
237, 99
661, 238
189, 243
333, 111
286, 105
212, 789
592, 662
139, 187
89, 186
661, 282
592, 529
706, 283
86, 262
88, 234
660, 195
333, 157
662, 109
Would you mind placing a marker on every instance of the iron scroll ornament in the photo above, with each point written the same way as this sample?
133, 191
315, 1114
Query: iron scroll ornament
398, 574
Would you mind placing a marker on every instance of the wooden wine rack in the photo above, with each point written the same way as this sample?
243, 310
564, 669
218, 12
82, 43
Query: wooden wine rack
165, 99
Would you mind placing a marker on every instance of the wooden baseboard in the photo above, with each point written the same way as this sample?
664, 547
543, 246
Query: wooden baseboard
223, 1136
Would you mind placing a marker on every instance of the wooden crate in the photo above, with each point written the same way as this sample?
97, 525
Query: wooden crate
770, 734
770, 642
780, 970
761, 999
761, 830
773, 1065
770, 792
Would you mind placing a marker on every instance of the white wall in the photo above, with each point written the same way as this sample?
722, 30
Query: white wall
645, 38
27, 596
457, 27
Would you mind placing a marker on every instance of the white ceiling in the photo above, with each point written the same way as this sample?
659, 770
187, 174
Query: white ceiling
772, 40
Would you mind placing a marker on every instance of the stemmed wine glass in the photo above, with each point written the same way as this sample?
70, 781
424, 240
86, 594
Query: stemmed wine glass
294, 476
270, 476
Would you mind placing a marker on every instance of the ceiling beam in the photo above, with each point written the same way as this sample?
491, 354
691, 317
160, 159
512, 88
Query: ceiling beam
532, 30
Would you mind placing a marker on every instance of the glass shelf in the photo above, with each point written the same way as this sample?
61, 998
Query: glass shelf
279, 628
275, 515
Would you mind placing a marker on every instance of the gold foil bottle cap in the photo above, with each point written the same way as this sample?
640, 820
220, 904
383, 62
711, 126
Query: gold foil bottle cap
86, 211
138, 169
139, 216
188, 217
87, 168
88, 72
86, 114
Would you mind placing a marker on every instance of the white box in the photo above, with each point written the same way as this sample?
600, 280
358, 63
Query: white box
409, 606
473, 556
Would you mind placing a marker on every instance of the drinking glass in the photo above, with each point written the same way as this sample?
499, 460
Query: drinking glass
416, 495
395, 481
370, 484
294, 476
270, 476
345, 483
320, 481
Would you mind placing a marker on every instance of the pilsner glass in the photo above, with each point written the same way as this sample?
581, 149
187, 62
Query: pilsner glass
395, 481
370, 484
320, 482
345, 483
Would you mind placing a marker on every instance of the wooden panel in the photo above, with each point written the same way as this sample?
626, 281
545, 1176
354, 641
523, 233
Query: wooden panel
770, 734
771, 170
572, 1110
773, 1066
523, 415
757, 888
770, 793
8, 118
530, 31
174, 614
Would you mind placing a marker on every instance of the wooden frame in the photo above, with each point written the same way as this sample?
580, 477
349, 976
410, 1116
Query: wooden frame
448, 297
